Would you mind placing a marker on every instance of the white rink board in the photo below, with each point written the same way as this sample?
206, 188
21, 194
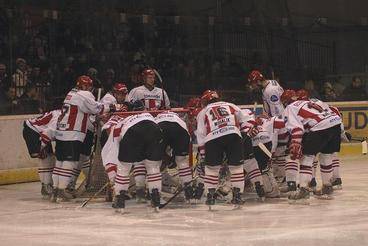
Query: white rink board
26, 219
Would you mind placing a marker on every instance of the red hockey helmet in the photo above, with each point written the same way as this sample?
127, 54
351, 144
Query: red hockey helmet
288, 96
147, 72
209, 95
84, 80
120, 87
255, 76
302, 94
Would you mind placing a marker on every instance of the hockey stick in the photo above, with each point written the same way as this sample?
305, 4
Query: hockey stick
162, 87
180, 190
265, 150
94, 195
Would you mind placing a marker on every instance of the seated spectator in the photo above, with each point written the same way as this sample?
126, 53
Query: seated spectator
328, 94
29, 102
20, 77
309, 86
4, 80
356, 91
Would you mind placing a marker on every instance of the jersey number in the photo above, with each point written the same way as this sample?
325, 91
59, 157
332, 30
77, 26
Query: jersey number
218, 113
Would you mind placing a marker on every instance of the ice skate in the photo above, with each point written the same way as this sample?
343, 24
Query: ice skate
236, 200
119, 202
337, 184
155, 199
325, 193
198, 191
188, 192
260, 191
313, 184
46, 191
59, 195
211, 198
299, 197
140, 195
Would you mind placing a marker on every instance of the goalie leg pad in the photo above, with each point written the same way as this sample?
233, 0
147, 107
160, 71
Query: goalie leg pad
84, 164
271, 187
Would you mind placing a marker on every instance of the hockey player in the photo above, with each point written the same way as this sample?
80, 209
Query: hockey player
314, 128
335, 166
140, 141
272, 106
218, 130
153, 98
118, 94
38, 133
176, 136
71, 130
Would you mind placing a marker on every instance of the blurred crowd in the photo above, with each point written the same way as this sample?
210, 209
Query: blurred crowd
40, 60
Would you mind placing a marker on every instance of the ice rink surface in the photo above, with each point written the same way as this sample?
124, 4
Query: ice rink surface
26, 219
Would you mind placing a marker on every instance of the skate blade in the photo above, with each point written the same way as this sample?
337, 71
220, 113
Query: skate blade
156, 210
237, 207
262, 199
337, 187
120, 210
324, 197
299, 202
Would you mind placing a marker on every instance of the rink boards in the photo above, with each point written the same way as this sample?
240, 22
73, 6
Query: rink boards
16, 166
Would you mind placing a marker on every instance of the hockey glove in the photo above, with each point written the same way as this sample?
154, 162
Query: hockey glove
295, 150
253, 131
118, 107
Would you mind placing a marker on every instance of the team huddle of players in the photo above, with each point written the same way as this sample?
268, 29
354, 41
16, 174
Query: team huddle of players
293, 129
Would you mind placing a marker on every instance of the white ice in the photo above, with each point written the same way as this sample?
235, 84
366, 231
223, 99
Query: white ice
26, 219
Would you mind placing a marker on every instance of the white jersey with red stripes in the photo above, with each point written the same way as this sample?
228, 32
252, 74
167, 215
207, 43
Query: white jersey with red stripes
219, 119
40, 123
305, 116
112, 121
132, 120
271, 98
78, 106
108, 99
110, 151
271, 130
251, 120
171, 117
153, 99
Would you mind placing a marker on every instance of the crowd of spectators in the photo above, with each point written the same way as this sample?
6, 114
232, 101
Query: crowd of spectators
40, 60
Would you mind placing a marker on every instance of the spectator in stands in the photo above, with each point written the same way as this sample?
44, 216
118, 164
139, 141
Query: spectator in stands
92, 73
4, 79
310, 87
29, 101
109, 79
20, 77
356, 91
328, 94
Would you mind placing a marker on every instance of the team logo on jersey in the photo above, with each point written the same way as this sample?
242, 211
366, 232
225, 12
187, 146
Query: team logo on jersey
274, 98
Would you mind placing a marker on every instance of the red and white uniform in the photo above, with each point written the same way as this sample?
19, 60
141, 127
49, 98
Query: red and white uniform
132, 120
78, 106
271, 98
305, 116
111, 122
171, 117
153, 99
250, 122
45, 125
110, 151
219, 119
108, 99
272, 130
